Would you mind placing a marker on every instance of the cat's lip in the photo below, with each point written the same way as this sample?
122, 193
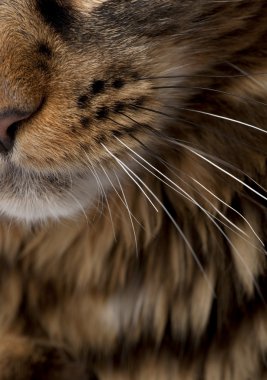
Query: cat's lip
31, 197
11, 170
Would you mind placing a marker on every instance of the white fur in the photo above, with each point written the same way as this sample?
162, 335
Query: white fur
35, 200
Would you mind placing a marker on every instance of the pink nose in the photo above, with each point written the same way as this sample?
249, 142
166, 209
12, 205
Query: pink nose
8, 128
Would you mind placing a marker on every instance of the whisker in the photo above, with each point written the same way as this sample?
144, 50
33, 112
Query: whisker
176, 118
156, 112
109, 210
211, 90
224, 118
120, 198
122, 165
227, 205
231, 208
240, 235
70, 178
181, 191
243, 72
181, 179
100, 190
102, 195
209, 216
222, 170
80, 206
188, 122
205, 198
129, 213
242, 75
178, 228
174, 170
180, 142
55, 216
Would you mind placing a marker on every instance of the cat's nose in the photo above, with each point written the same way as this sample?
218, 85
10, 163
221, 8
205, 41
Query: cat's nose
9, 123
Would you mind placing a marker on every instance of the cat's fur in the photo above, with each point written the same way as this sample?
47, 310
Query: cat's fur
111, 288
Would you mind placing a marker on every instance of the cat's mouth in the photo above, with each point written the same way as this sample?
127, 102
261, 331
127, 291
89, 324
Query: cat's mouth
20, 181
31, 196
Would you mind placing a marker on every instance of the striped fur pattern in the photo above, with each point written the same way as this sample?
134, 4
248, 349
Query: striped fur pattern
133, 202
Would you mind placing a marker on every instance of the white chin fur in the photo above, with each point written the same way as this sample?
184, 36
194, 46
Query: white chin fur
40, 211
35, 204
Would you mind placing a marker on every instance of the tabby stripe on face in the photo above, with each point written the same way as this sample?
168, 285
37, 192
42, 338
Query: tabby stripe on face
57, 14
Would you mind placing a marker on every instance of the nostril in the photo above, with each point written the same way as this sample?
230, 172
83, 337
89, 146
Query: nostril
9, 124
12, 131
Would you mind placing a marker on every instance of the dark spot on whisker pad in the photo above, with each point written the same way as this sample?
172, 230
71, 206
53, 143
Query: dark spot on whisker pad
83, 101
102, 112
118, 83
85, 122
98, 86
118, 107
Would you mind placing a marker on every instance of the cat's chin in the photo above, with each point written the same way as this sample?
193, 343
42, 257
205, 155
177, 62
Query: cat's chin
32, 199
38, 211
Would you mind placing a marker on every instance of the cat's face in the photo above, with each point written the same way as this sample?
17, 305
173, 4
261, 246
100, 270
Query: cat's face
79, 78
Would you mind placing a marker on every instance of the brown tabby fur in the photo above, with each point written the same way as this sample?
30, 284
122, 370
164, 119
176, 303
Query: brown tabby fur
79, 298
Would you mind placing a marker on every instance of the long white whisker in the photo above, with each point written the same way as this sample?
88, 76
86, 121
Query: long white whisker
180, 189
212, 205
238, 234
183, 193
237, 76
227, 205
129, 213
101, 193
120, 198
109, 209
214, 196
221, 169
178, 228
99, 185
231, 208
208, 215
121, 163
243, 98
224, 118
80, 206
179, 142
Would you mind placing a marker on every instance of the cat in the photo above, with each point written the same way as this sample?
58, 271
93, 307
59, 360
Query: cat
132, 189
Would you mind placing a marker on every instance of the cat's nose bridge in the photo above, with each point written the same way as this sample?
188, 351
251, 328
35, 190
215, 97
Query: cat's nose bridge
16, 104
19, 99
22, 82
15, 92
